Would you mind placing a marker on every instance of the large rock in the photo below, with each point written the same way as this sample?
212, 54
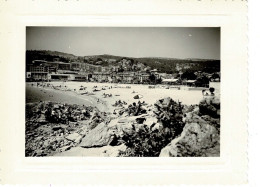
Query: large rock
210, 106
100, 136
128, 124
196, 140
110, 134
75, 137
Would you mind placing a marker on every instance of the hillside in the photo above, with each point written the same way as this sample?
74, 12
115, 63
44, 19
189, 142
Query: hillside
48, 56
173, 65
164, 65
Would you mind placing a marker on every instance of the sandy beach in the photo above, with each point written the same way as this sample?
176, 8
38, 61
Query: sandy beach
35, 94
94, 94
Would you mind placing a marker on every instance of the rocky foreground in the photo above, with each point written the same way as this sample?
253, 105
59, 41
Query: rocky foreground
166, 128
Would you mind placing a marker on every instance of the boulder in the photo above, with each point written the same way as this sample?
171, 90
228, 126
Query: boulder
194, 118
212, 121
130, 124
110, 134
196, 140
75, 137
122, 125
215, 101
210, 106
83, 130
100, 136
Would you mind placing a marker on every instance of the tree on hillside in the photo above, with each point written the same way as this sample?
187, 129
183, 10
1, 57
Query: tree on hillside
202, 81
188, 75
152, 78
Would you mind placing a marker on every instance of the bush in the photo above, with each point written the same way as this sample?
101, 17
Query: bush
147, 142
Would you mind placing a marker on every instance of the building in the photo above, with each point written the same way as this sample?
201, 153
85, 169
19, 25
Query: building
126, 77
92, 68
76, 66
59, 65
66, 77
76, 77
58, 76
170, 81
38, 62
37, 72
142, 77
101, 77
105, 69
113, 68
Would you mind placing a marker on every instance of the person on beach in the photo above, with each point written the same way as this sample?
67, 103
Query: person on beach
205, 93
114, 111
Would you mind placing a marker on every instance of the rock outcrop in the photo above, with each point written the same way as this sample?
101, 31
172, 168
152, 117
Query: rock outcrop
166, 129
196, 140
54, 127
100, 136
210, 106
201, 135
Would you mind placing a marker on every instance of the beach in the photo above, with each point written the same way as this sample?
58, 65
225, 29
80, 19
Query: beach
34, 94
104, 95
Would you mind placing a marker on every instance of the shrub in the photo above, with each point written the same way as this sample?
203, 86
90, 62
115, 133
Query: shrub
147, 142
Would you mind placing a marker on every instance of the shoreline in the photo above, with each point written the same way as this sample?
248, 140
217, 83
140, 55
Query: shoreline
37, 94
123, 92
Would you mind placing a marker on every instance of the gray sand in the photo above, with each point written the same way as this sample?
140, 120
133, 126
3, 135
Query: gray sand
34, 94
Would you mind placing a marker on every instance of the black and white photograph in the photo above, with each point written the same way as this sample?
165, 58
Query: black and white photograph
122, 91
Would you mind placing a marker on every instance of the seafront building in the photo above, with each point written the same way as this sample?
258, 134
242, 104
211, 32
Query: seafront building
123, 72
40, 70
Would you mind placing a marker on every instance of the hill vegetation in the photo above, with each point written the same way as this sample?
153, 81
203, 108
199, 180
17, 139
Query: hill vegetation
163, 65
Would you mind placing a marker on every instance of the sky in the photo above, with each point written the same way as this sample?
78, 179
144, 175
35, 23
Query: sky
170, 42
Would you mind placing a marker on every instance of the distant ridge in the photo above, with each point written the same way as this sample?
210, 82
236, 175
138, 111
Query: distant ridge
162, 64
58, 53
